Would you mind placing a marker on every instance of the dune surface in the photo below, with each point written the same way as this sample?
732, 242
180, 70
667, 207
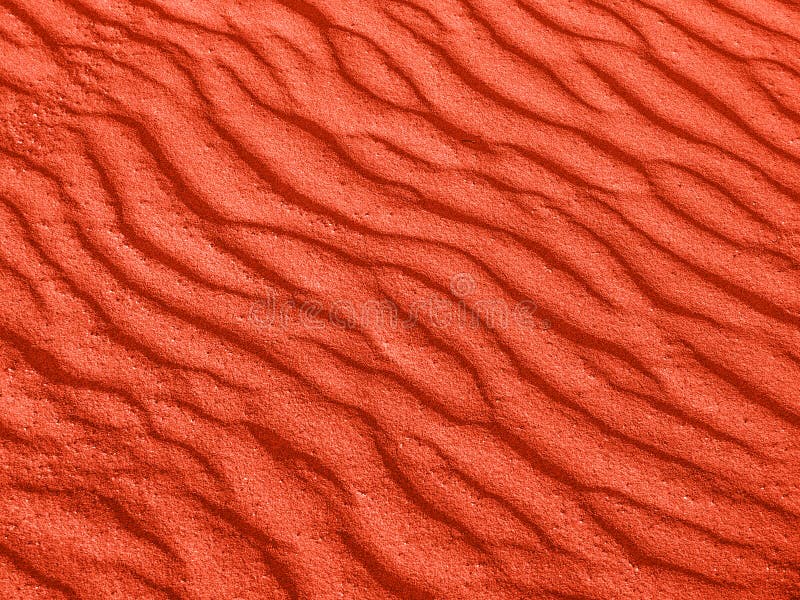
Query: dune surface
417, 299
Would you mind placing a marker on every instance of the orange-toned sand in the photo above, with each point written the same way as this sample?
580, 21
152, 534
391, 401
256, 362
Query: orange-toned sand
416, 299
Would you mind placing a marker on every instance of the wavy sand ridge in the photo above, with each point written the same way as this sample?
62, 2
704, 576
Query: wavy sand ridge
400, 299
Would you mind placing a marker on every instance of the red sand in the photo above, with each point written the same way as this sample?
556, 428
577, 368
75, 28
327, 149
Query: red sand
400, 299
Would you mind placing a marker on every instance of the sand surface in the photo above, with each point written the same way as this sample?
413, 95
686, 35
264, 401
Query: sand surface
416, 299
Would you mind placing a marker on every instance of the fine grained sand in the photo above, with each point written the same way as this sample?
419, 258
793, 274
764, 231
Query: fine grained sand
452, 299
